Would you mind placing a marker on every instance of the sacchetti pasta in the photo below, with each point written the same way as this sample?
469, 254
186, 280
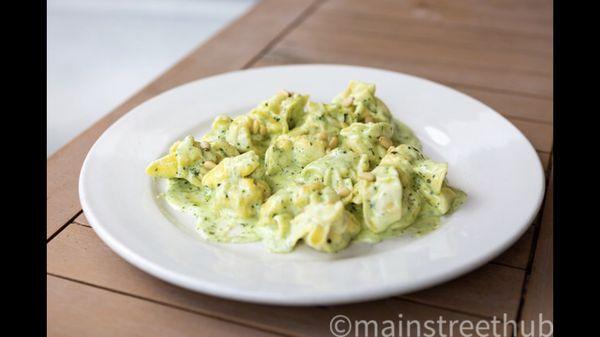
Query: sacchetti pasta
292, 170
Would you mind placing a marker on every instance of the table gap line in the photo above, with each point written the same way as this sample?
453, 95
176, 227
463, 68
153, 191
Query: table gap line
284, 32
82, 224
536, 233
63, 226
196, 312
459, 311
507, 265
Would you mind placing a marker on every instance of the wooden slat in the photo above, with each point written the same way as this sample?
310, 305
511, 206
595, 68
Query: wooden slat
79, 254
489, 291
329, 36
525, 17
372, 21
79, 310
230, 49
329, 51
539, 289
503, 81
513, 106
347, 39
86, 259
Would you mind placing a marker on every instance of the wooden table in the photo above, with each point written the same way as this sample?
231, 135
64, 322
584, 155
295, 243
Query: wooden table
499, 52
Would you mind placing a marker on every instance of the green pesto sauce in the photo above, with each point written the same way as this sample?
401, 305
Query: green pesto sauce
215, 226
317, 173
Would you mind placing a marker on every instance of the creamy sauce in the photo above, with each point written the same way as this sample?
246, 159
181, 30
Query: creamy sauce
292, 171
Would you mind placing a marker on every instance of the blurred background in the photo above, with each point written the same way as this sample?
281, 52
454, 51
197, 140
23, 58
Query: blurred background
100, 52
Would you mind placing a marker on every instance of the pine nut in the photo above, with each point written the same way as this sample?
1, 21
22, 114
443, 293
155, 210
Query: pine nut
368, 176
348, 101
209, 165
205, 145
385, 142
343, 191
314, 186
255, 126
333, 142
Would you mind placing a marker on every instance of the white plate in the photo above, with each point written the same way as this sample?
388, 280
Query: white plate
487, 156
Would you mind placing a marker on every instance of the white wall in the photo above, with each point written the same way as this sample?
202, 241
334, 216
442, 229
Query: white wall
100, 52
